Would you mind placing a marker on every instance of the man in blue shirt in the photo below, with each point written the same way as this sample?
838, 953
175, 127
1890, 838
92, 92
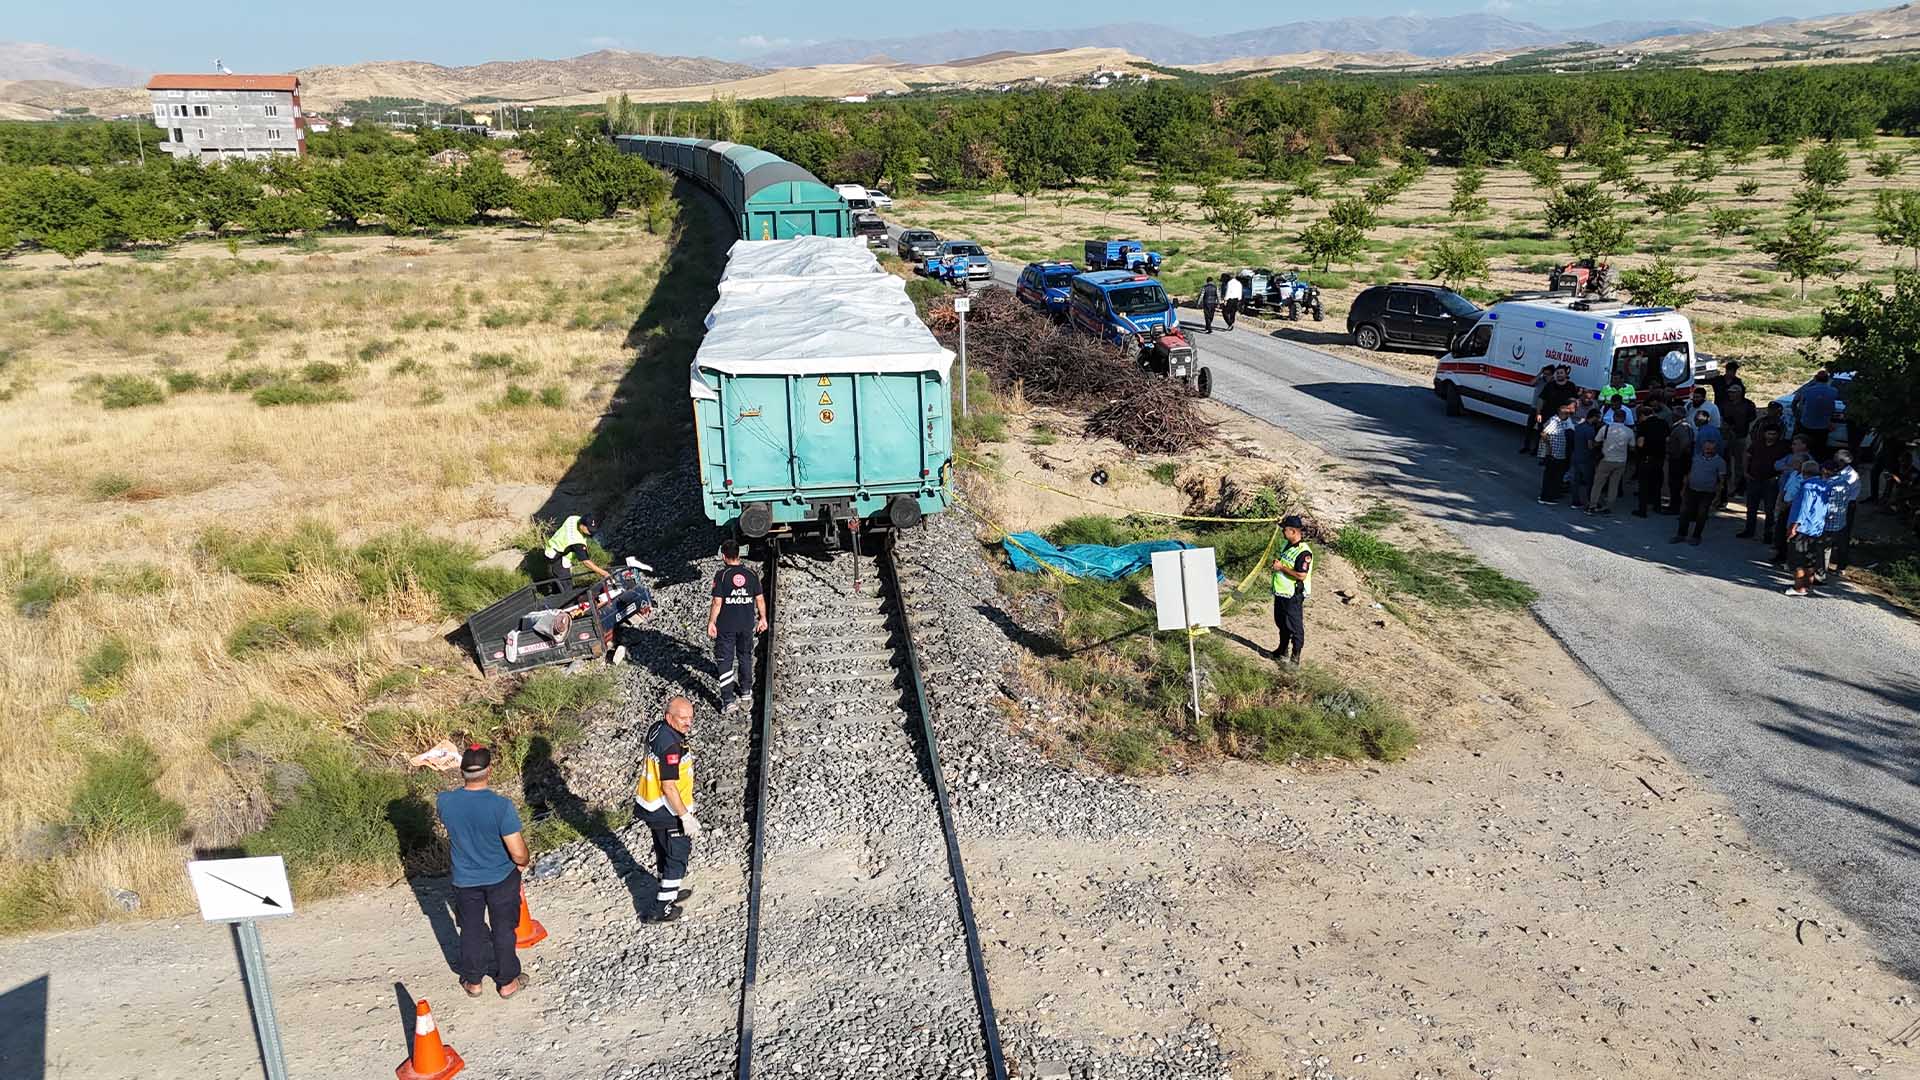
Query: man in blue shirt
483, 835
1813, 409
1843, 490
1806, 523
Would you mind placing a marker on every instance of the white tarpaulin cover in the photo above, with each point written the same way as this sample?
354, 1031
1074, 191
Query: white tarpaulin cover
801, 257
802, 307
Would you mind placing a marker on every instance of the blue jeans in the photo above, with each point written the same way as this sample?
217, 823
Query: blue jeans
1582, 481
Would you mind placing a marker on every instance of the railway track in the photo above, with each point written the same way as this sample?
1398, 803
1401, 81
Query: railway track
862, 957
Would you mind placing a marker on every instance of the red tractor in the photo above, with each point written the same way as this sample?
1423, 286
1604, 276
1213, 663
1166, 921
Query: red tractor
1582, 278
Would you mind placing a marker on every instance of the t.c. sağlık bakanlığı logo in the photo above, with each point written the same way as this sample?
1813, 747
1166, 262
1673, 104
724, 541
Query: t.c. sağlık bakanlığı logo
739, 581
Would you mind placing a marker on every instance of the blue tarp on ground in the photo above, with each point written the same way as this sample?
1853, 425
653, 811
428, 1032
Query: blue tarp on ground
1085, 560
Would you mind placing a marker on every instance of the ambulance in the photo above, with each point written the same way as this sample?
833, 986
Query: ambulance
1491, 367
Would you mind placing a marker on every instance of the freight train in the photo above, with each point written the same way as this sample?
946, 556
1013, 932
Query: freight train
820, 400
768, 197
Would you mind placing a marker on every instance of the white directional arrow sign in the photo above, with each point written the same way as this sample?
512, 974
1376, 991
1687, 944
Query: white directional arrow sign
230, 890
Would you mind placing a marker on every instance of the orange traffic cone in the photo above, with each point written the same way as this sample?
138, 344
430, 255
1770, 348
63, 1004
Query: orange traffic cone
528, 932
431, 1060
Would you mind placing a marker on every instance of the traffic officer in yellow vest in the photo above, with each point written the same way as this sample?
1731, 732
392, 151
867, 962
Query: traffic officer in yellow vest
568, 543
664, 798
1292, 584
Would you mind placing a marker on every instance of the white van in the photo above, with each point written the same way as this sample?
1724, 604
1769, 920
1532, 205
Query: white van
855, 195
1492, 366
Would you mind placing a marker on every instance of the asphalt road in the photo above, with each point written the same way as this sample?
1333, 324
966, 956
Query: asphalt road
1803, 712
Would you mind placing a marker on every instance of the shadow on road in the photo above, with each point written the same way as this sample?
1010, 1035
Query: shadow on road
544, 786
23, 1030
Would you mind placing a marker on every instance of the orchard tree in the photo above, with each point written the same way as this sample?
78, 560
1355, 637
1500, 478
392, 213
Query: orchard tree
1163, 207
1598, 239
1659, 284
1747, 188
351, 191
1457, 259
284, 215
1577, 204
1896, 220
1878, 338
1724, 221
1812, 200
1677, 199
59, 209
542, 204
1825, 166
1326, 243
1805, 250
1310, 188
485, 183
1886, 165
1275, 208
432, 202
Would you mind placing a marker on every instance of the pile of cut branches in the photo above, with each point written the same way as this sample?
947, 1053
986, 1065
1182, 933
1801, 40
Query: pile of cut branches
1060, 368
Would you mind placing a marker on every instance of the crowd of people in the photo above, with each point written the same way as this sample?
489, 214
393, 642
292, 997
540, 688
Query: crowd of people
1690, 454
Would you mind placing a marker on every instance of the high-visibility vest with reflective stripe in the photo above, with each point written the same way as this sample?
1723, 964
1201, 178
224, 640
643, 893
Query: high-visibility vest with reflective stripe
650, 791
566, 536
1284, 585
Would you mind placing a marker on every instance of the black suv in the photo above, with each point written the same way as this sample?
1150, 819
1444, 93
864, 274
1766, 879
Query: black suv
1410, 314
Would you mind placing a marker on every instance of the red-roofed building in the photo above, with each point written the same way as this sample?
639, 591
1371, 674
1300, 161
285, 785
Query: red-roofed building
217, 117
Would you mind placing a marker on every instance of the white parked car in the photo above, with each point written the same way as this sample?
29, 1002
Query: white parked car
880, 199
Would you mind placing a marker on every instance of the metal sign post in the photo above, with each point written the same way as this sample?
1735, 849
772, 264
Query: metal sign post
1186, 596
240, 892
961, 305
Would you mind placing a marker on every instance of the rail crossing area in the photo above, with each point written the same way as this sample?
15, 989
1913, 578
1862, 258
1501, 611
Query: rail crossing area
836, 930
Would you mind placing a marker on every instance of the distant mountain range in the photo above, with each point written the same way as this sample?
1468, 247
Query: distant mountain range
1445, 36
22, 61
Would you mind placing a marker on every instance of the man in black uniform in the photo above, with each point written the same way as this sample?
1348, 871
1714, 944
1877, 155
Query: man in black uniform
739, 611
663, 798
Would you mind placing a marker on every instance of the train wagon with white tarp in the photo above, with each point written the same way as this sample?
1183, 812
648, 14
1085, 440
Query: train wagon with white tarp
819, 396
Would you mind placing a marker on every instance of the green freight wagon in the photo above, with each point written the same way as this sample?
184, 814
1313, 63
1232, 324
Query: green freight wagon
768, 197
819, 396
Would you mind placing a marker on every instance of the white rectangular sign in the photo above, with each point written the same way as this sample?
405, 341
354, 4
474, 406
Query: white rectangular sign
962, 304
233, 889
1186, 589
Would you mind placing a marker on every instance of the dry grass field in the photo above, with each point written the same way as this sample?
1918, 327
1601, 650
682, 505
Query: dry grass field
249, 489
1747, 308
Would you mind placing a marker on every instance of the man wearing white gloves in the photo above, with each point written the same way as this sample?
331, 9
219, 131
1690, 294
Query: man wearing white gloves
664, 794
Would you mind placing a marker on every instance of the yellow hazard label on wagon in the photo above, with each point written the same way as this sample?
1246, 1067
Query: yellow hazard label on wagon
826, 416
826, 398
825, 381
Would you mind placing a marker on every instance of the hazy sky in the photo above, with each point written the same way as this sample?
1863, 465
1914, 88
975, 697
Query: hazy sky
188, 35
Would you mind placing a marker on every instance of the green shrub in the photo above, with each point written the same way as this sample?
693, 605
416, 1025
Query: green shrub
267, 733
141, 579
374, 350
1165, 472
290, 393
116, 796
247, 379
981, 426
343, 812
494, 361
295, 627
553, 397
39, 584
322, 373
271, 559
392, 563
130, 391
1097, 529
28, 896
180, 382
550, 696
102, 668
110, 486
516, 397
